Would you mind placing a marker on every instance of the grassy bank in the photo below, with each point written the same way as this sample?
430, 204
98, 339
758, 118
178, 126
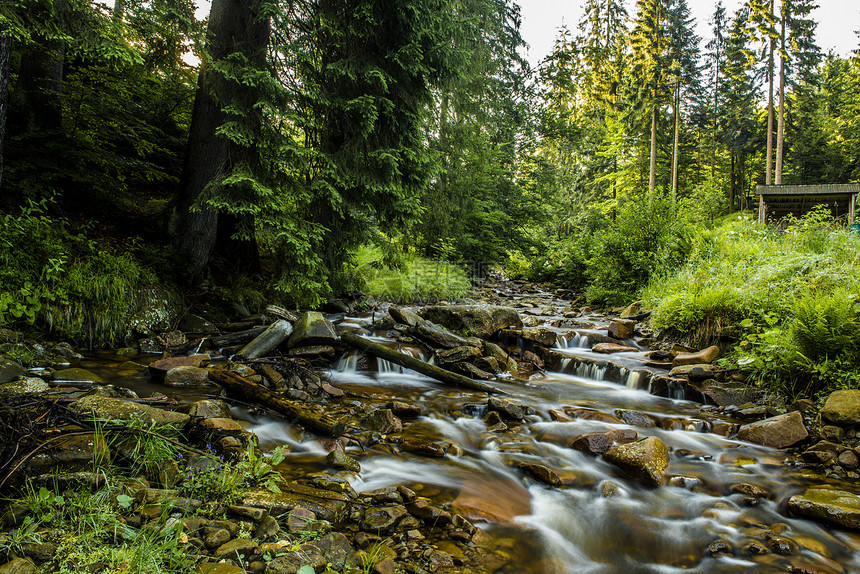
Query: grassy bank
785, 301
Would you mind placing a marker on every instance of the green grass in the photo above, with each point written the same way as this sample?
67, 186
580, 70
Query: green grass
412, 279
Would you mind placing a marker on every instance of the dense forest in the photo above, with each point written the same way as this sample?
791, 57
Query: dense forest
299, 151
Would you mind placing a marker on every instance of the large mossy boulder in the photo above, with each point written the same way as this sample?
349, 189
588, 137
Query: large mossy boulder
778, 432
644, 459
834, 506
9, 370
842, 408
439, 336
473, 320
312, 329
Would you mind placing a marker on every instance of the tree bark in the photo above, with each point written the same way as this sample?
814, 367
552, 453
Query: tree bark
410, 362
5, 59
305, 415
675, 144
768, 177
780, 130
235, 26
652, 168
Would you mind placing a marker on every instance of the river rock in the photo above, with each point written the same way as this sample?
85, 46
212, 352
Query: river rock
9, 370
108, 408
432, 515
684, 370
609, 348
236, 548
382, 420
777, 432
457, 354
423, 448
341, 460
645, 459
186, 377
507, 408
473, 372
724, 394
383, 518
158, 369
592, 443
634, 418
540, 472
490, 364
210, 409
218, 568
842, 408
835, 506
439, 336
312, 329
223, 425
25, 385
621, 328
324, 504
499, 500
703, 357
404, 316
76, 375
473, 320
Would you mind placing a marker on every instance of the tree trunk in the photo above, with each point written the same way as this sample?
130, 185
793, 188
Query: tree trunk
768, 178
5, 59
732, 183
39, 85
675, 144
652, 169
235, 26
780, 130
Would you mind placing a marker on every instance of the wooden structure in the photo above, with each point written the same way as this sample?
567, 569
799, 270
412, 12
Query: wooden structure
777, 201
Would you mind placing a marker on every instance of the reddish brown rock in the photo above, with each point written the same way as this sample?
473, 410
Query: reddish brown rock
609, 348
777, 432
160, 367
703, 357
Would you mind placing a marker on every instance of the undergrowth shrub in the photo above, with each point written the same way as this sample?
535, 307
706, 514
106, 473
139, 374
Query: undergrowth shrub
55, 278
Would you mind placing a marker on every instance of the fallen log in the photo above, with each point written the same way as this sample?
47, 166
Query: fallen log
237, 337
251, 392
274, 335
410, 362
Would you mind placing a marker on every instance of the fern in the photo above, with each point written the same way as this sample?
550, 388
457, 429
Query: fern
824, 326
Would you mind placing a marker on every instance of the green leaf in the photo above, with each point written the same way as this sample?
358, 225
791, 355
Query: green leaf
306, 569
124, 501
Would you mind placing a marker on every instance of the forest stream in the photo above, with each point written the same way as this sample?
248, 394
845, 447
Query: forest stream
722, 506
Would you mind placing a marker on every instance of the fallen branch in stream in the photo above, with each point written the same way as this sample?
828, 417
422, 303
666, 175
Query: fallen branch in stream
305, 415
410, 362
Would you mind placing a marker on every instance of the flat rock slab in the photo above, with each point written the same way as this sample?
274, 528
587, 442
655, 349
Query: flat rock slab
159, 368
473, 320
324, 504
76, 375
842, 408
705, 356
777, 432
118, 409
498, 501
834, 506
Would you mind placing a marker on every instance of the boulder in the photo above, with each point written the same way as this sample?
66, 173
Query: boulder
210, 409
268, 340
834, 506
539, 335
25, 385
191, 323
540, 472
9, 370
703, 357
404, 316
842, 408
19, 566
423, 448
343, 461
634, 418
684, 370
621, 328
118, 409
312, 329
609, 348
644, 459
439, 336
158, 369
473, 372
382, 420
383, 518
507, 408
592, 443
777, 432
186, 377
473, 320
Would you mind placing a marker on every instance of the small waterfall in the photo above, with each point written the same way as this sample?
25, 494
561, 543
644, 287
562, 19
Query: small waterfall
386, 367
348, 363
591, 371
560, 341
676, 390
633, 379
565, 363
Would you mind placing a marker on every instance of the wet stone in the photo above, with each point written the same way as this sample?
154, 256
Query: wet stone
382, 519
216, 537
541, 473
720, 546
783, 546
621, 328
343, 461
749, 490
592, 443
755, 548
848, 460
235, 548
832, 433
422, 448
429, 514
645, 459
634, 418
300, 519
611, 348
382, 420
508, 409
209, 409
834, 506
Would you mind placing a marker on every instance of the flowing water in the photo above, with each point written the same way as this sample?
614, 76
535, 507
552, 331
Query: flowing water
598, 520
